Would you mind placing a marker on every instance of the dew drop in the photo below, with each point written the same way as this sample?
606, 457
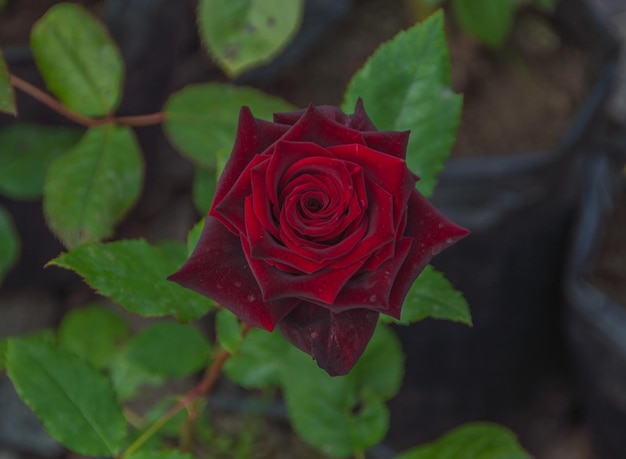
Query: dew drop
238, 284
251, 298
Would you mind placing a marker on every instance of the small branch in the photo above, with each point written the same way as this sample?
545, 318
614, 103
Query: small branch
204, 387
141, 120
52, 103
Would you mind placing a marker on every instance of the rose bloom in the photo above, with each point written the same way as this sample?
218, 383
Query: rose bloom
317, 227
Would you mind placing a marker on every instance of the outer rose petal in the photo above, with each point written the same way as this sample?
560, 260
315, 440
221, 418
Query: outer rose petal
218, 269
253, 137
334, 340
432, 233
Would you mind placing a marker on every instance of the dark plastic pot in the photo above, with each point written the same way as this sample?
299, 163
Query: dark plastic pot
519, 208
596, 324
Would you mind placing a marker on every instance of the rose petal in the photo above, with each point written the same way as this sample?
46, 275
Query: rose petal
334, 340
314, 126
253, 137
218, 269
432, 232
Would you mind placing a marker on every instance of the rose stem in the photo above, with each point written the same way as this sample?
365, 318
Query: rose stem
51, 102
206, 384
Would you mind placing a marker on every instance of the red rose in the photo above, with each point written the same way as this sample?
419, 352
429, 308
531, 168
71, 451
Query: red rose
316, 227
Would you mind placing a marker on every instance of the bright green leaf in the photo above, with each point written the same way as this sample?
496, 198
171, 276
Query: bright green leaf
78, 60
169, 349
200, 120
174, 454
432, 295
228, 330
7, 98
405, 85
204, 183
471, 441
194, 236
93, 333
133, 274
90, 188
242, 34
75, 402
260, 359
9, 243
26, 151
489, 20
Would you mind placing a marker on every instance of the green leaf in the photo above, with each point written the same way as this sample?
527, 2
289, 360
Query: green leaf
78, 60
9, 243
547, 6
471, 441
381, 367
133, 274
201, 120
174, 454
415, 96
228, 330
128, 377
90, 188
4, 345
75, 402
26, 151
169, 349
432, 296
204, 184
343, 415
194, 236
93, 333
7, 97
260, 359
489, 20
242, 34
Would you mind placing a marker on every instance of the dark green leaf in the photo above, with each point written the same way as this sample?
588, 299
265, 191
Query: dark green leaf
489, 20
7, 98
93, 333
90, 188
432, 295
26, 151
338, 416
78, 60
9, 243
381, 367
128, 377
350, 413
204, 183
228, 330
4, 344
133, 273
194, 236
76, 403
241, 34
471, 441
169, 349
201, 120
174, 454
259, 362
405, 85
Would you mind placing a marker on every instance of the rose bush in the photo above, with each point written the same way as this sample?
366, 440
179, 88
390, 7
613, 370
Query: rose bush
317, 227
